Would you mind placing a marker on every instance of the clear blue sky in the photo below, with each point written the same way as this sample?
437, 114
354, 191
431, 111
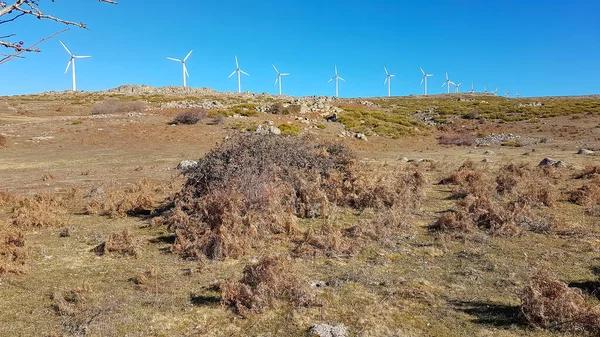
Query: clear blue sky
535, 47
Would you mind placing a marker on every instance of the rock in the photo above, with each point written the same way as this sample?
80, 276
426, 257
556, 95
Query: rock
418, 160
489, 153
361, 136
332, 118
326, 330
547, 162
186, 165
560, 163
268, 130
486, 160
403, 159
585, 151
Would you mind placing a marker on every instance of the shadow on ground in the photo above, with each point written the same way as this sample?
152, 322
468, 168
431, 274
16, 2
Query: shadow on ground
492, 314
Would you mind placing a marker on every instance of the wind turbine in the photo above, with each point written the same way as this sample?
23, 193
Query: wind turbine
185, 72
485, 89
239, 71
337, 78
388, 80
517, 93
72, 61
506, 94
496, 91
472, 88
457, 85
424, 79
279, 78
448, 82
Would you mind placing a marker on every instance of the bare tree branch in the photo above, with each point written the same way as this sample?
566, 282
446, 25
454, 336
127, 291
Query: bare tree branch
20, 8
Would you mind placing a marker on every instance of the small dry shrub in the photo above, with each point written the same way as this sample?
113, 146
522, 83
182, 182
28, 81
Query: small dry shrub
381, 226
272, 278
453, 221
123, 243
142, 280
587, 196
70, 302
114, 105
115, 203
458, 138
13, 254
549, 303
3, 141
39, 212
588, 173
280, 109
190, 117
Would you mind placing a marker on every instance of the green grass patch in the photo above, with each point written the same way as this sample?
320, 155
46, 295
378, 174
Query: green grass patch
289, 129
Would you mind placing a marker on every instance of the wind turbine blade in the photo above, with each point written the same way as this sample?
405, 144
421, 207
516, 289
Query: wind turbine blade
67, 49
423, 71
275, 68
392, 75
331, 79
276, 79
245, 73
341, 79
236, 62
459, 83
82, 57
385, 82
68, 65
335, 67
285, 74
422, 80
443, 84
172, 59
446, 76
386, 72
232, 73
185, 70
188, 55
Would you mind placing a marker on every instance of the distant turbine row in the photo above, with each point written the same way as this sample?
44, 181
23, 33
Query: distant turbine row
278, 79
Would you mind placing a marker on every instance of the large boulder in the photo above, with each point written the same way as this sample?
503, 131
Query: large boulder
585, 151
187, 164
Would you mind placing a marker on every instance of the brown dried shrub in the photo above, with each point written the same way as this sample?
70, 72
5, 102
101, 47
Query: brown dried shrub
190, 117
3, 141
70, 302
453, 221
254, 186
272, 278
549, 303
115, 105
13, 254
39, 212
123, 243
137, 199
588, 172
457, 138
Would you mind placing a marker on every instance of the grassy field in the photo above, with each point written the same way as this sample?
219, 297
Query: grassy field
100, 235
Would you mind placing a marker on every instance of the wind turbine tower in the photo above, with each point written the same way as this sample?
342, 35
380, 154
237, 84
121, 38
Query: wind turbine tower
506, 94
485, 89
185, 72
472, 88
72, 61
278, 79
448, 82
424, 79
388, 80
336, 77
239, 71
457, 85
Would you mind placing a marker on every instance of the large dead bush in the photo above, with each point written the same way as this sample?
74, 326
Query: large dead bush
115, 105
253, 186
39, 211
272, 278
550, 303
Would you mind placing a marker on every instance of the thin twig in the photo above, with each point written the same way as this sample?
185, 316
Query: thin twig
8, 58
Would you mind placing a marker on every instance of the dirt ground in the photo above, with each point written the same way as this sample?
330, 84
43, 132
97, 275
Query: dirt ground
426, 286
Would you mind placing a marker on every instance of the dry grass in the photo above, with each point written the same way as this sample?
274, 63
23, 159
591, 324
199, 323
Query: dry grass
13, 254
550, 303
588, 173
123, 243
462, 139
38, 212
271, 278
190, 117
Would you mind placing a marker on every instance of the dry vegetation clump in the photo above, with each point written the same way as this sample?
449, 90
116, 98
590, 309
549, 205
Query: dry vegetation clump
469, 179
190, 117
280, 109
3, 141
114, 203
13, 254
39, 211
254, 186
381, 226
588, 172
457, 138
588, 196
272, 278
123, 243
114, 105
549, 303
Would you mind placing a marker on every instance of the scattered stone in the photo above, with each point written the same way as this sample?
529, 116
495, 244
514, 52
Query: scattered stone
332, 118
486, 160
489, 153
186, 165
361, 136
417, 160
560, 163
318, 284
547, 162
585, 151
404, 159
326, 330
268, 130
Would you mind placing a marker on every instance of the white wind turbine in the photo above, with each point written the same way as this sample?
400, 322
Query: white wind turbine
448, 82
496, 91
424, 79
185, 72
517, 94
279, 77
337, 78
456, 86
239, 71
472, 88
388, 80
72, 61
506, 94
485, 89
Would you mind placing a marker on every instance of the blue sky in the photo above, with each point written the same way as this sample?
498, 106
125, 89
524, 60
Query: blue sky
535, 47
